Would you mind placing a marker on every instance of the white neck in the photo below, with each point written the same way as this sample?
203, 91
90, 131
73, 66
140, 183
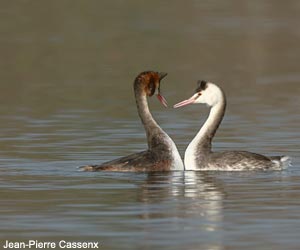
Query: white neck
200, 146
177, 161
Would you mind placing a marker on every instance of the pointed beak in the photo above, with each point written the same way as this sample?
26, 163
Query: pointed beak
186, 102
162, 75
162, 100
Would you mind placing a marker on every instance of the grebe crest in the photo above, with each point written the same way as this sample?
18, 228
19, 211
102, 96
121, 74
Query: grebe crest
208, 93
149, 83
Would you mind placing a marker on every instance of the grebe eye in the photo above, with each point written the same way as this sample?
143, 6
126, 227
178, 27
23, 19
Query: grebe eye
199, 93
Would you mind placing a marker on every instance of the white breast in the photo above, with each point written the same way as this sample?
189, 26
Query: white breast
190, 162
177, 161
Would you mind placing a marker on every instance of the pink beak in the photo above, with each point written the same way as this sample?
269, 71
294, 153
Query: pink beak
185, 102
162, 100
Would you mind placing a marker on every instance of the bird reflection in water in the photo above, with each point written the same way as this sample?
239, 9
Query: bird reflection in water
189, 203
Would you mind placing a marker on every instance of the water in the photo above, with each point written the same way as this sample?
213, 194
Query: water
66, 100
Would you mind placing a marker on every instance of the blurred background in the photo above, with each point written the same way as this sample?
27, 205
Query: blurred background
73, 58
66, 97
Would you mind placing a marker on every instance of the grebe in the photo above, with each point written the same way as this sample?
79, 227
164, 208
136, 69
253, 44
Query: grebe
162, 153
198, 155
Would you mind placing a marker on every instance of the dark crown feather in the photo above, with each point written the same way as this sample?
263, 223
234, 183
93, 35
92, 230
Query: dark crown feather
201, 85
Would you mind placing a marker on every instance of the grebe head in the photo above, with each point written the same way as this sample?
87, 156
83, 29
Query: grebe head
149, 82
206, 92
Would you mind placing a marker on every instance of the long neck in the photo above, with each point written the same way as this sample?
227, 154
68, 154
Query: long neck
200, 147
153, 130
158, 140
207, 132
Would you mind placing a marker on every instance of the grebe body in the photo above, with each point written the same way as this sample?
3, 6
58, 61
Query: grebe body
162, 153
199, 154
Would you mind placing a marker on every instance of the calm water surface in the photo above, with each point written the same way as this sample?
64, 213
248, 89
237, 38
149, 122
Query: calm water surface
66, 100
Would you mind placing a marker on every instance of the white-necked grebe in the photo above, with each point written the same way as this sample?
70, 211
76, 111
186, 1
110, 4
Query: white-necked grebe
199, 156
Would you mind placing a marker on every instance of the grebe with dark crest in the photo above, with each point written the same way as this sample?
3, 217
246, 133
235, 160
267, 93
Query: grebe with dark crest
162, 153
199, 155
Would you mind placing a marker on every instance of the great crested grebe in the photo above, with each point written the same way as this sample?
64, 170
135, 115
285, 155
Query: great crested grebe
162, 153
199, 156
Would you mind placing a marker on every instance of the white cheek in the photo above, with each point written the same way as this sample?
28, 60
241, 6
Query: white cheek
203, 99
199, 99
212, 100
